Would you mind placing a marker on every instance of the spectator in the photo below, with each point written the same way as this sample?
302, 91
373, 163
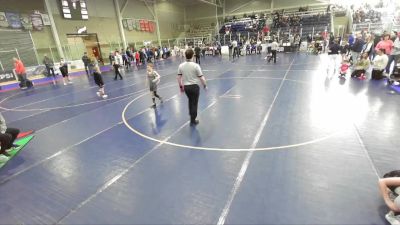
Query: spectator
49, 66
357, 48
361, 66
388, 45
395, 56
7, 137
379, 63
389, 189
86, 62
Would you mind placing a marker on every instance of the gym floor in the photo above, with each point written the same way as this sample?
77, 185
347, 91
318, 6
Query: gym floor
284, 143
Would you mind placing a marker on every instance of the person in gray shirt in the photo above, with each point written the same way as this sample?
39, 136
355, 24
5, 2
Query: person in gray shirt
189, 74
49, 65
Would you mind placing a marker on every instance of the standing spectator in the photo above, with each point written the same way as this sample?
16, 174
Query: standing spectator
395, 56
188, 75
7, 136
235, 49
197, 53
386, 44
21, 73
351, 40
111, 58
117, 64
357, 48
49, 67
86, 63
137, 59
368, 46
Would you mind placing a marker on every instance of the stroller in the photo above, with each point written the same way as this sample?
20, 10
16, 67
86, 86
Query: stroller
395, 76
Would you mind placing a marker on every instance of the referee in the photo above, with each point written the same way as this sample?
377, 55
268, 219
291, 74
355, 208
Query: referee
189, 73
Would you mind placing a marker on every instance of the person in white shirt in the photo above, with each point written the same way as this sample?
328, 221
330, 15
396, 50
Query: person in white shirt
189, 74
274, 48
379, 64
117, 64
235, 48
395, 56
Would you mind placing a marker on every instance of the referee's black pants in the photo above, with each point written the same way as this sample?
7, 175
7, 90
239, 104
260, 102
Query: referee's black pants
193, 93
197, 59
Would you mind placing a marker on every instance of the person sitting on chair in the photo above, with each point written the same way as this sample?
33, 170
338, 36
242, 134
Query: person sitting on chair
7, 136
389, 187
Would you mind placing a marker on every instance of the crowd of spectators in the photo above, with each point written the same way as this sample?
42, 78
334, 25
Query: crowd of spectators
281, 20
365, 14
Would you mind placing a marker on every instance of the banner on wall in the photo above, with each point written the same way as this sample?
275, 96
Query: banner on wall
26, 22
3, 20
152, 26
142, 27
7, 76
139, 25
125, 23
130, 24
37, 22
46, 19
13, 20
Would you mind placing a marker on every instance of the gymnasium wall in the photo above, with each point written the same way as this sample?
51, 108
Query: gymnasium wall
136, 9
171, 18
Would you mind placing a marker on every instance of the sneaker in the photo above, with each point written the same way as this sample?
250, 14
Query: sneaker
104, 96
153, 106
23, 88
70, 82
15, 146
194, 123
65, 83
98, 93
3, 158
392, 219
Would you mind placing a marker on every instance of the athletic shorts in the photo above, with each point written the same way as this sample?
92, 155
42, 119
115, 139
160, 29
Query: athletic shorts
98, 80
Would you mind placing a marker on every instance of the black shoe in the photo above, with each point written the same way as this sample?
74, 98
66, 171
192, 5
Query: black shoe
153, 106
15, 146
194, 123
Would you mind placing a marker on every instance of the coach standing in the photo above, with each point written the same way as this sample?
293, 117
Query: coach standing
189, 73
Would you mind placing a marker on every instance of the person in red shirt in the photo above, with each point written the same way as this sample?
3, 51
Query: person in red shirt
388, 45
21, 72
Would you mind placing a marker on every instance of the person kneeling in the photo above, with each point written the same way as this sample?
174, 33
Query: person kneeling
379, 64
361, 66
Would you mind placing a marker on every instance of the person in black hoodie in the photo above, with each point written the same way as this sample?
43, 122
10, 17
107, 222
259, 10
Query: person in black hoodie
86, 63
197, 51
